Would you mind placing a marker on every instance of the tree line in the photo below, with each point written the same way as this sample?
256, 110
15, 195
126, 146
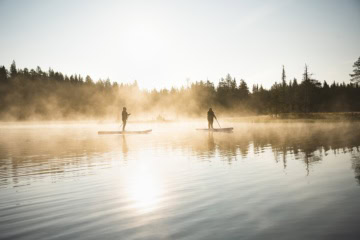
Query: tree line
37, 94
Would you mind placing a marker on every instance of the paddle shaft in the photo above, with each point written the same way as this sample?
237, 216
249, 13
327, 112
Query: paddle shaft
217, 122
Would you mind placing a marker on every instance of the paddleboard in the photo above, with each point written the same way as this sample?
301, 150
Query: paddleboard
125, 132
216, 129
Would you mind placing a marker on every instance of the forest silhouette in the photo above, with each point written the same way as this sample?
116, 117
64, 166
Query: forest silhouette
38, 95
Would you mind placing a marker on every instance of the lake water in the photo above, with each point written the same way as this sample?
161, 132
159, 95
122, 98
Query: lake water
263, 181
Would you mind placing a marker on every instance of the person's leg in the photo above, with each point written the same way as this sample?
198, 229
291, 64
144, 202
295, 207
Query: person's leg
124, 124
211, 124
208, 124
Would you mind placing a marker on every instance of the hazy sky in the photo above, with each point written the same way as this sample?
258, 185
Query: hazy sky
163, 43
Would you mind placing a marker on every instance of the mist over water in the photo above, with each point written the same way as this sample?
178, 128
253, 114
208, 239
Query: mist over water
263, 181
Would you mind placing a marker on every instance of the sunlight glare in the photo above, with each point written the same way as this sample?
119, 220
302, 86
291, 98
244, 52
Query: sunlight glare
144, 189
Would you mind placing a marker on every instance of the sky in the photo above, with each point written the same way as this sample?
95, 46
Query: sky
164, 44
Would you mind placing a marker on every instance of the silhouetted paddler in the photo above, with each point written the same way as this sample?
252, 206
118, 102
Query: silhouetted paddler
210, 117
125, 116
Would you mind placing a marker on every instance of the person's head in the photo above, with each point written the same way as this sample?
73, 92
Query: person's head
124, 108
210, 109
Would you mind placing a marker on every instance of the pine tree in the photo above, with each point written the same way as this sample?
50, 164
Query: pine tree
306, 74
228, 80
3, 74
325, 85
283, 99
13, 70
243, 89
283, 77
355, 77
88, 80
306, 87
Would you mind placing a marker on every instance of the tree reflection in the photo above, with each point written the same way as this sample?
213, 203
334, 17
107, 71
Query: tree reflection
356, 164
27, 156
306, 142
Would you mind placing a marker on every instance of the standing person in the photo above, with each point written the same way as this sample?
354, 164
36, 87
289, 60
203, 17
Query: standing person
125, 116
210, 117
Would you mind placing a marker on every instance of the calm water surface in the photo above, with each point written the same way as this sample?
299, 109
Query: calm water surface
263, 181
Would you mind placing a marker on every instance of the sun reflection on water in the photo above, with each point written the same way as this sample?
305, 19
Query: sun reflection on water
145, 189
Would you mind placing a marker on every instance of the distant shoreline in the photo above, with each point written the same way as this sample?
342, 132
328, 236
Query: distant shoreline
302, 117
271, 118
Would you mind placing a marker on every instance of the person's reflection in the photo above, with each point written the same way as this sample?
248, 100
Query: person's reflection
211, 143
125, 148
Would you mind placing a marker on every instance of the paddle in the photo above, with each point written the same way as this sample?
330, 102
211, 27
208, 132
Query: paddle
217, 122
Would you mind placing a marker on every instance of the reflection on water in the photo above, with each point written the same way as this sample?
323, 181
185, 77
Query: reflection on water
144, 188
287, 181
